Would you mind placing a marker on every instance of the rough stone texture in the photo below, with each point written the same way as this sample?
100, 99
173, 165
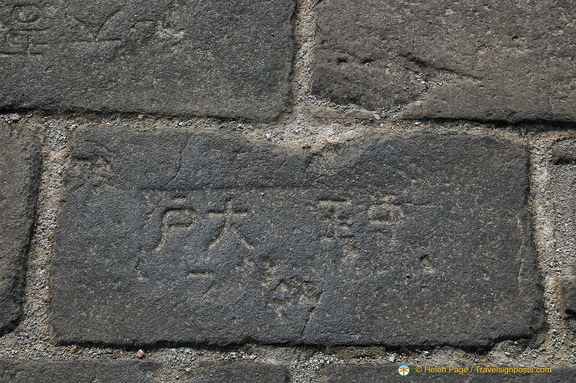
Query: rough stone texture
569, 295
240, 373
208, 238
494, 60
19, 171
563, 155
220, 57
564, 152
22, 371
378, 374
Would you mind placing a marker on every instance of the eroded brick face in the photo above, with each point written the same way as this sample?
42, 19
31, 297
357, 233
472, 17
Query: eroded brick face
217, 58
494, 60
209, 238
19, 177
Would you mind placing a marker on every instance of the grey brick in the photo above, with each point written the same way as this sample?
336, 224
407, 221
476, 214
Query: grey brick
206, 237
239, 372
19, 173
494, 60
564, 152
176, 57
23, 371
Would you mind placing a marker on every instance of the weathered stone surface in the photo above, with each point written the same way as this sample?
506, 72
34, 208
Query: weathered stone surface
569, 295
495, 60
563, 188
208, 238
240, 373
19, 171
23, 371
378, 374
219, 57
564, 152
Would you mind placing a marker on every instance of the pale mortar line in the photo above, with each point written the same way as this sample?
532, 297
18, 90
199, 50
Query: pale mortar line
55, 134
541, 200
305, 39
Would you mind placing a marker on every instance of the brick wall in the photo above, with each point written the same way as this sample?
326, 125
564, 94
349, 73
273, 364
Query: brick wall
287, 191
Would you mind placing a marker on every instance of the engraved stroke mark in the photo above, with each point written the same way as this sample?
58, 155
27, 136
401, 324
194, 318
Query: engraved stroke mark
166, 212
352, 225
91, 25
171, 219
176, 220
228, 214
292, 296
30, 26
203, 234
385, 217
26, 13
339, 217
115, 20
116, 24
179, 210
22, 29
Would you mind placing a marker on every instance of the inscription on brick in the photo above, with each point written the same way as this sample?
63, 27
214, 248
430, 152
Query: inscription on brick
208, 238
220, 58
19, 173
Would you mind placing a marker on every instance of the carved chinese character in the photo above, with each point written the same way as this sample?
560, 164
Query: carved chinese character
22, 30
385, 218
176, 220
338, 215
228, 215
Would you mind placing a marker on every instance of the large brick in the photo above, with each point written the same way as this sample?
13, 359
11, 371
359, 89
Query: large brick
379, 374
19, 172
23, 371
489, 60
219, 57
239, 372
206, 237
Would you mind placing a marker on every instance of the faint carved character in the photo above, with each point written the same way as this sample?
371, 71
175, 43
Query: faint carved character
110, 20
385, 214
91, 18
176, 219
339, 218
385, 218
20, 42
22, 32
26, 13
228, 214
293, 295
